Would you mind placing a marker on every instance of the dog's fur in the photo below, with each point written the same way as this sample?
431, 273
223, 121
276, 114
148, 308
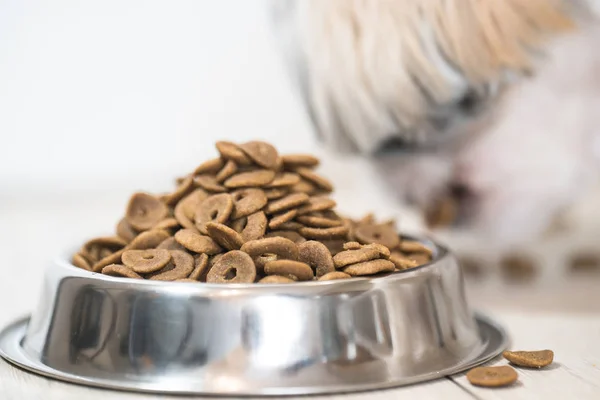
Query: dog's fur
501, 98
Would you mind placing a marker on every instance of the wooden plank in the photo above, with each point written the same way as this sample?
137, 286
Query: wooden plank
575, 373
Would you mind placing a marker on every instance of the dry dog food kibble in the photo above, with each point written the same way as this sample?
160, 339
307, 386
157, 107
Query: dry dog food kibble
492, 376
250, 215
530, 359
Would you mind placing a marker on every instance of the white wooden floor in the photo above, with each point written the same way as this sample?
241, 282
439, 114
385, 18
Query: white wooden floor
563, 316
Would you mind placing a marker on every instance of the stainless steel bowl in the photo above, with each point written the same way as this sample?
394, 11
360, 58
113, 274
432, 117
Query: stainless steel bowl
312, 337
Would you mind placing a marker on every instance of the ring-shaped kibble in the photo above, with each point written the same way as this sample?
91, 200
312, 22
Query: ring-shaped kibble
120, 271
310, 175
290, 226
276, 193
419, 258
256, 178
186, 208
370, 267
231, 151
209, 167
209, 183
216, 208
317, 256
298, 269
228, 169
377, 233
183, 189
284, 179
413, 246
278, 220
247, 201
349, 257
335, 275
338, 232
319, 222
492, 376
233, 267
148, 240
291, 235
530, 359
283, 248
352, 246
317, 203
402, 262
80, 262
114, 258
200, 267
263, 259
262, 153
98, 248
144, 211
167, 223
303, 186
146, 261
196, 242
292, 161
293, 200
255, 226
126, 231
224, 236
276, 279
184, 265
170, 244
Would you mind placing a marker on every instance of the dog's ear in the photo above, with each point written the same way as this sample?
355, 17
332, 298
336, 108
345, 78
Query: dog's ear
369, 71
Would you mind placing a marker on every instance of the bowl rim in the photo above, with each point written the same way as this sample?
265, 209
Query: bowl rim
440, 254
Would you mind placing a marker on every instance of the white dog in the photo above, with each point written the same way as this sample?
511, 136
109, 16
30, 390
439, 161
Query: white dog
496, 100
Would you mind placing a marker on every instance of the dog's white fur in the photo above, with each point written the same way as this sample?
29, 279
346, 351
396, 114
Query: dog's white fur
373, 69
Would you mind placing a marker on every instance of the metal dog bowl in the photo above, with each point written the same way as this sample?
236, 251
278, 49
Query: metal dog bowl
312, 337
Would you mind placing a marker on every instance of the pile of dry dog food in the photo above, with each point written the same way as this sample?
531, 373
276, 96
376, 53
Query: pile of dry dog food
249, 215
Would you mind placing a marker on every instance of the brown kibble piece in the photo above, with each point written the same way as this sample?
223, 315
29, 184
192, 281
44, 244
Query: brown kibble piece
335, 275
247, 201
412, 246
292, 161
278, 220
349, 257
303, 187
183, 189
377, 233
256, 225
256, 178
210, 167
111, 259
120, 271
233, 267
401, 262
146, 261
352, 246
170, 244
338, 232
144, 211
283, 248
317, 255
183, 265
419, 258
284, 179
370, 267
148, 240
80, 262
290, 226
291, 235
126, 231
216, 208
224, 236
318, 180
196, 242
228, 169
518, 267
186, 208
276, 279
262, 260
298, 269
231, 151
290, 201
200, 267
318, 203
262, 153
319, 222
276, 193
530, 359
167, 223
101, 247
492, 376
209, 183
